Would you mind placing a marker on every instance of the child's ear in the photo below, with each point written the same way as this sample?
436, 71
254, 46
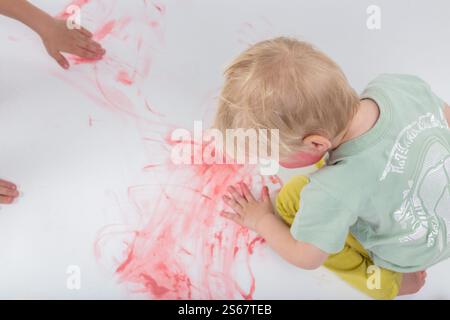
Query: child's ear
317, 143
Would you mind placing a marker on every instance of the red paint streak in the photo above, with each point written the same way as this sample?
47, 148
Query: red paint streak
82, 88
149, 108
114, 96
127, 260
185, 249
153, 286
276, 180
105, 30
177, 245
252, 244
139, 43
80, 60
153, 24
151, 166
123, 77
150, 139
160, 7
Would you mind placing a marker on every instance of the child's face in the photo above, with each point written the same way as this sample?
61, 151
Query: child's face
301, 159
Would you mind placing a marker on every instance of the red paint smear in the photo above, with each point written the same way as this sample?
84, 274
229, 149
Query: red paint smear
104, 30
160, 7
153, 24
182, 248
185, 249
123, 77
114, 96
80, 60
149, 108
151, 166
123, 70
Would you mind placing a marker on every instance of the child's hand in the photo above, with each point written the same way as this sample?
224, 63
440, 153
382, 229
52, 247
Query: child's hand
248, 211
8, 192
55, 34
58, 38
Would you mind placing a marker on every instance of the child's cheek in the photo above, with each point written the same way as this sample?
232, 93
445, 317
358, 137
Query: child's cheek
301, 159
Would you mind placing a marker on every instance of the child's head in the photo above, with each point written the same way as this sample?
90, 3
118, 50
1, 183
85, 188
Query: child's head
288, 85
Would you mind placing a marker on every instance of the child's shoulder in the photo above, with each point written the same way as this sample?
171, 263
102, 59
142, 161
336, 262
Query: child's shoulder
397, 81
398, 90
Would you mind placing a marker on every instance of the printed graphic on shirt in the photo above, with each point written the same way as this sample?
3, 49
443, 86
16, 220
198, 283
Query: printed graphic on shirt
398, 156
428, 197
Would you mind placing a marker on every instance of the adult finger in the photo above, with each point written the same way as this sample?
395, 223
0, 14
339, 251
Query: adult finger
60, 60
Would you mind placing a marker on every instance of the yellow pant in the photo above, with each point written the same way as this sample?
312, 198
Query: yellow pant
353, 262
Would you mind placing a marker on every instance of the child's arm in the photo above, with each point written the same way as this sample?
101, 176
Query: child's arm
258, 216
55, 34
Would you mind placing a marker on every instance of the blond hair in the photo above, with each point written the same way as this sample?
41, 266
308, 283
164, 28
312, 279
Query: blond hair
288, 85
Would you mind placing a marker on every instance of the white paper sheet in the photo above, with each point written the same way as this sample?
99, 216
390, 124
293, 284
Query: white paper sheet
88, 150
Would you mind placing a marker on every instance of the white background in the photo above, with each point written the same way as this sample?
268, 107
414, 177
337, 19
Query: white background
67, 171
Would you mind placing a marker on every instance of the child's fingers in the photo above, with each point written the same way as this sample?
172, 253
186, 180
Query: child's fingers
232, 204
93, 46
7, 184
246, 192
83, 53
60, 59
96, 50
6, 200
265, 194
8, 192
88, 44
236, 195
231, 216
85, 32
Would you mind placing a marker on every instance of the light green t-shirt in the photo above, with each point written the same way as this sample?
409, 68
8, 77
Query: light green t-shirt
391, 186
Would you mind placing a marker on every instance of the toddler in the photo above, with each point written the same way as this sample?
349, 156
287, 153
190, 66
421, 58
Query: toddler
382, 199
